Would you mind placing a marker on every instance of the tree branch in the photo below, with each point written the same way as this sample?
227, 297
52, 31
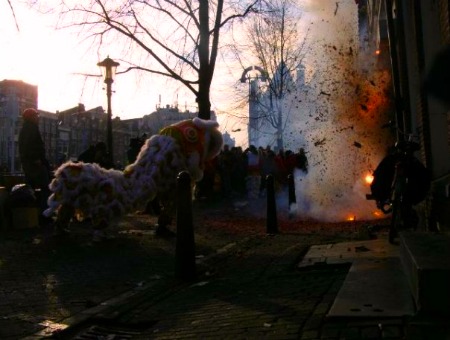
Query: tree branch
249, 9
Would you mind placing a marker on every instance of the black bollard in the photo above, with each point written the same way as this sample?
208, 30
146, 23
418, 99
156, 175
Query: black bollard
272, 226
291, 184
185, 269
291, 188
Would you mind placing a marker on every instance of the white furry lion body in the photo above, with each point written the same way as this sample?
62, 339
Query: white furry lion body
105, 195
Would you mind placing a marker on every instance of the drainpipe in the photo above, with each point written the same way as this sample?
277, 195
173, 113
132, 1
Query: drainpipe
403, 64
394, 65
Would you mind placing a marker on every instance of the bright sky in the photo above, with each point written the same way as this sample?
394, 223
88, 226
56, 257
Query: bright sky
56, 60
39, 55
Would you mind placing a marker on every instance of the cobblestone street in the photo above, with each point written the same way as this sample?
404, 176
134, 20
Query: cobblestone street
47, 279
44, 279
249, 285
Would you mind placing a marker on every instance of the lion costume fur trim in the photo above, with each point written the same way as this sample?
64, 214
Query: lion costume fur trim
107, 194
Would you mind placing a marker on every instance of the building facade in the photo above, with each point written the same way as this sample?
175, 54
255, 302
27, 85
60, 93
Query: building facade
68, 133
15, 96
164, 116
415, 31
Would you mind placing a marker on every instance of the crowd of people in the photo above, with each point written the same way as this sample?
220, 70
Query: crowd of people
97, 153
238, 173
234, 173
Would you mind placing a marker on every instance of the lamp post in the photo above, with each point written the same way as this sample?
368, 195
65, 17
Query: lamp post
108, 67
254, 75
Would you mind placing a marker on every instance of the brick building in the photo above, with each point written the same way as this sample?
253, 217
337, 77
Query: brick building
68, 133
15, 96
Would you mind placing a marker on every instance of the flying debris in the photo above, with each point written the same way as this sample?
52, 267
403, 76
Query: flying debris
345, 101
350, 127
320, 142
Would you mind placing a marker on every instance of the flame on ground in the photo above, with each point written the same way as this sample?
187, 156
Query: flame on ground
351, 218
368, 179
378, 214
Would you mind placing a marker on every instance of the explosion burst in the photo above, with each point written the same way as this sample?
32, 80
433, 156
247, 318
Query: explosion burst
345, 103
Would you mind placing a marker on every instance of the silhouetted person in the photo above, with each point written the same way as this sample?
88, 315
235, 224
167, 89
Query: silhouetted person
301, 160
35, 165
225, 163
253, 172
133, 149
88, 155
102, 157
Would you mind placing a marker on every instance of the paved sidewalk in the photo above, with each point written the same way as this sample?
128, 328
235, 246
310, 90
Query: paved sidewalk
48, 283
46, 279
250, 286
256, 290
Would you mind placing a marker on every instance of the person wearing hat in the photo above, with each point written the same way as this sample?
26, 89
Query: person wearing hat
32, 156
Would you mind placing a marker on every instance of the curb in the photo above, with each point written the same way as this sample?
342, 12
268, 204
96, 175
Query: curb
116, 306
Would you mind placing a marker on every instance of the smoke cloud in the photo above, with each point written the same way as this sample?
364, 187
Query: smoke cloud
338, 122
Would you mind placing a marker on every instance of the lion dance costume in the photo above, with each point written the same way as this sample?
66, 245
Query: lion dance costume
85, 190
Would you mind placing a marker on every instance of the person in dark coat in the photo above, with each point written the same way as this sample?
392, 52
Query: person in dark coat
301, 160
134, 149
35, 165
88, 155
102, 156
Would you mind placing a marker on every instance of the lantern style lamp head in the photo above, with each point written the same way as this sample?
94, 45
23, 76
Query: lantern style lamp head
108, 67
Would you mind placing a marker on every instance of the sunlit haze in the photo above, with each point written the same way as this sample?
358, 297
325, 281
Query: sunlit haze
341, 139
58, 60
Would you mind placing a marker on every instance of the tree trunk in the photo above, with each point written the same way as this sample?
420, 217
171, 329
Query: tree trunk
203, 102
280, 130
204, 85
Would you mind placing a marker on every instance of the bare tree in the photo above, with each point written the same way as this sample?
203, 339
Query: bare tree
13, 14
176, 39
276, 44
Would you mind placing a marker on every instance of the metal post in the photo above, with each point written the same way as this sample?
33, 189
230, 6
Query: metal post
291, 183
272, 226
109, 138
13, 146
185, 269
291, 188
108, 67
392, 37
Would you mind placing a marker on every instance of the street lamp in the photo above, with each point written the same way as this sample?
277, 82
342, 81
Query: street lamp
254, 75
108, 67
